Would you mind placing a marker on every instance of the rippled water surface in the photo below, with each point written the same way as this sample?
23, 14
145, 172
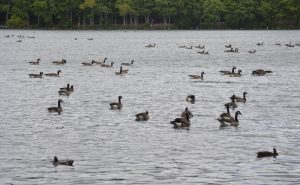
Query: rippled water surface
110, 147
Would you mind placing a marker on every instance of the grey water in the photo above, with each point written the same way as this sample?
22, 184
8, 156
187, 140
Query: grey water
110, 147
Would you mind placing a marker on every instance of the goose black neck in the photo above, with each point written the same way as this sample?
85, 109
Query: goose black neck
58, 103
244, 96
121, 70
232, 71
236, 117
228, 112
120, 100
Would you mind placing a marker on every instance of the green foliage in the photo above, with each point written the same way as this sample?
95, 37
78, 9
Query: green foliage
16, 22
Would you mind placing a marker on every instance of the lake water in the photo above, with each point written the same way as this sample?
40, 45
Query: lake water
110, 147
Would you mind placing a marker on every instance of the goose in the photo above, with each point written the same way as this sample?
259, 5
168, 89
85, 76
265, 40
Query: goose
203, 52
230, 50
228, 46
200, 47
238, 74
66, 162
191, 98
186, 113
37, 62
182, 46
40, 75
290, 45
277, 44
297, 44
229, 121
107, 65
64, 93
57, 109
267, 153
232, 103
54, 74
191, 47
143, 116
65, 88
252, 51
241, 99
150, 46
260, 72
128, 64
103, 62
260, 44
181, 122
116, 105
62, 62
88, 64
197, 76
228, 72
226, 114
120, 72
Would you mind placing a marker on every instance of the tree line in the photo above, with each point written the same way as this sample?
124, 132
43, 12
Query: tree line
147, 14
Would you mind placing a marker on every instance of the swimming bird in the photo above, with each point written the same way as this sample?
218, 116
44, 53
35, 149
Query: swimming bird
65, 88
54, 74
200, 47
181, 122
191, 47
57, 109
238, 74
62, 62
229, 121
267, 153
103, 62
117, 105
191, 98
37, 62
228, 72
186, 113
128, 64
241, 99
143, 116
64, 93
107, 65
260, 44
32, 75
150, 46
197, 76
252, 51
260, 72
88, 64
226, 114
66, 162
228, 46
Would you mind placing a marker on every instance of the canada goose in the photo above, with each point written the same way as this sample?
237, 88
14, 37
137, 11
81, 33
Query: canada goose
88, 64
54, 74
235, 50
229, 121
64, 93
260, 44
143, 116
203, 52
200, 47
103, 62
241, 99
62, 62
197, 76
226, 114
191, 98
232, 103
267, 153
181, 122
107, 65
150, 46
228, 46
37, 62
65, 88
116, 105
120, 72
19, 40
290, 45
260, 72
252, 51
228, 72
186, 113
277, 44
40, 75
128, 64
57, 109
182, 46
66, 162
238, 74
191, 47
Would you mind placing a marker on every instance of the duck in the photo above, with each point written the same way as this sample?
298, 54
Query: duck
228, 72
37, 62
238, 74
186, 113
229, 121
107, 65
57, 109
40, 75
197, 76
128, 64
54, 74
267, 153
226, 114
66, 162
191, 98
241, 99
88, 64
232, 103
62, 62
181, 122
103, 62
252, 51
143, 116
117, 105
120, 72
260, 72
